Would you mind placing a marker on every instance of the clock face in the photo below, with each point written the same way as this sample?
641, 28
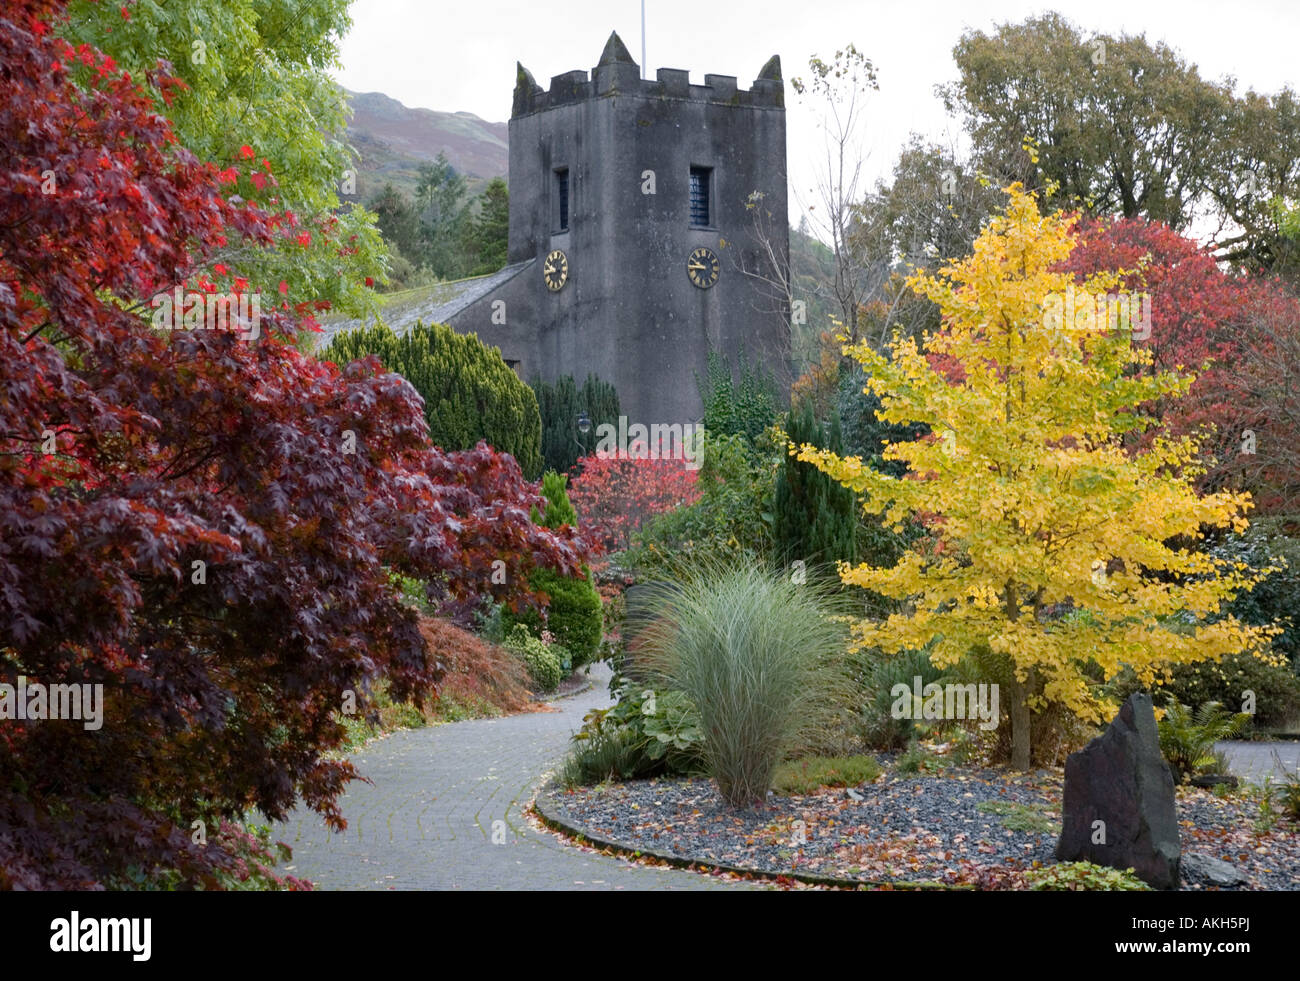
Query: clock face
702, 267
556, 271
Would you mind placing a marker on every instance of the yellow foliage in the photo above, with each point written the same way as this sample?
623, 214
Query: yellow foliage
1031, 496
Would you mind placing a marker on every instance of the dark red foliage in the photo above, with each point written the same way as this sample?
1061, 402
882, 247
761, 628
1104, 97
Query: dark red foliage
616, 494
1239, 334
295, 483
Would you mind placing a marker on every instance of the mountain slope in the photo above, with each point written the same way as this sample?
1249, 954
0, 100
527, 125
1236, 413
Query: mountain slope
394, 139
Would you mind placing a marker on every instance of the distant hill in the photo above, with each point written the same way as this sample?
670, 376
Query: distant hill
394, 140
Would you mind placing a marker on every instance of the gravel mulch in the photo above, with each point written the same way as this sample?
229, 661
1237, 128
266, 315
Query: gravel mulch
960, 826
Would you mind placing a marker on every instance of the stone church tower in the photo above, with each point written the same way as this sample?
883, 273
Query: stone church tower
634, 249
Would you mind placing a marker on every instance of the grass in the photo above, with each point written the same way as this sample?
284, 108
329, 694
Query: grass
914, 759
1020, 817
761, 657
810, 775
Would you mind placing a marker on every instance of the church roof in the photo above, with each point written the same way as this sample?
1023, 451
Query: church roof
431, 305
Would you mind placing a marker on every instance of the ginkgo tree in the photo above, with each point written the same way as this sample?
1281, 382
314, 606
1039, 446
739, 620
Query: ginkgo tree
1054, 545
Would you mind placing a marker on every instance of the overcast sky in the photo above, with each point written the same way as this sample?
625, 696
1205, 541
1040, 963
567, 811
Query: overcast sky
461, 56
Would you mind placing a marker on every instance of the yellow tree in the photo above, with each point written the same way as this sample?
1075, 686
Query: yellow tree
1034, 502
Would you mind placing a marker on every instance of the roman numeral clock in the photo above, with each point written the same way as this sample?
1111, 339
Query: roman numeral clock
702, 267
556, 270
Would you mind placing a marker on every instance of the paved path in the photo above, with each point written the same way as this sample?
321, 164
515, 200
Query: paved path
446, 812
1252, 761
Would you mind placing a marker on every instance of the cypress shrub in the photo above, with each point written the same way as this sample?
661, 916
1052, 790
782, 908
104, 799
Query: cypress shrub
814, 516
575, 615
469, 393
560, 403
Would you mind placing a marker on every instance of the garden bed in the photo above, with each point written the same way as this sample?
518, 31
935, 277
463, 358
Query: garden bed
959, 827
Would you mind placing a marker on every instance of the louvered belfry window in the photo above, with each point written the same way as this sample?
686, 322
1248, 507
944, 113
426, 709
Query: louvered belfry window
700, 180
562, 189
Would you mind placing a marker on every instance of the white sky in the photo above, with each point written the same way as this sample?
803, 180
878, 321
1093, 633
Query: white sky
461, 56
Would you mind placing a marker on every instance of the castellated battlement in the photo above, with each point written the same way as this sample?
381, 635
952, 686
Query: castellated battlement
618, 74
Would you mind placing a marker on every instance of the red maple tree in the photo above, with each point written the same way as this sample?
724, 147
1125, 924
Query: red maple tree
616, 494
199, 522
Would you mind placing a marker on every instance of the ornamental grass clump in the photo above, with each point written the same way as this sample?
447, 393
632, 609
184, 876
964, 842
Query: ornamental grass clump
762, 658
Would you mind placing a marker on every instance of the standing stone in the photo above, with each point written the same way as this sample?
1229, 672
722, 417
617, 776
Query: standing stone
1122, 780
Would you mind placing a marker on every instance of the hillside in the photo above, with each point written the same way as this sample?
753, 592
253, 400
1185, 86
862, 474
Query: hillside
394, 139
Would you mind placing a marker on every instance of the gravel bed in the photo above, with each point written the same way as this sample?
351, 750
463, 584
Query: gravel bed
946, 827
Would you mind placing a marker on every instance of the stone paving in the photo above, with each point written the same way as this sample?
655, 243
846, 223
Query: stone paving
1252, 761
446, 812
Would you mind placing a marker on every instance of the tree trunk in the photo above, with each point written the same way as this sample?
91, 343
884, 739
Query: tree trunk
1020, 746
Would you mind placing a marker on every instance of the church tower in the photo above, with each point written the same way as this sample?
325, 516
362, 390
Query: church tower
648, 226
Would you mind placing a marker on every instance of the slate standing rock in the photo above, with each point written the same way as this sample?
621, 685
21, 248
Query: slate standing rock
1121, 778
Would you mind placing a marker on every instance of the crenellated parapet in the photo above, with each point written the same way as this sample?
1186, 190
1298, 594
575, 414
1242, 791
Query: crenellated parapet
618, 74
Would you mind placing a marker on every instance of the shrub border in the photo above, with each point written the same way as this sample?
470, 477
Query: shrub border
557, 819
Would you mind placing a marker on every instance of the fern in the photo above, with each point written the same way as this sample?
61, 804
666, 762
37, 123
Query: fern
1187, 740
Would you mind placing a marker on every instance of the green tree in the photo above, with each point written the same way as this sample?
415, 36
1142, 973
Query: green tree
258, 87
574, 613
814, 517
397, 220
469, 392
1127, 127
560, 403
487, 232
439, 198
930, 210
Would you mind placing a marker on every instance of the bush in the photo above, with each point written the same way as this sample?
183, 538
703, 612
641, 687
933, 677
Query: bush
1288, 796
543, 664
469, 393
615, 496
732, 517
1081, 876
759, 656
877, 674
1188, 741
1276, 688
574, 614
647, 733
481, 679
807, 776
559, 404
915, 759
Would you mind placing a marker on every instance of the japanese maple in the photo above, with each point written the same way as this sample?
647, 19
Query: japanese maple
200, 522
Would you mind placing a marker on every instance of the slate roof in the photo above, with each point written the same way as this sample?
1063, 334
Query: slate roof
438, 304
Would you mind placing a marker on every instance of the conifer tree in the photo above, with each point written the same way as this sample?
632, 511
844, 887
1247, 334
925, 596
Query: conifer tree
469, 393
814, 517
